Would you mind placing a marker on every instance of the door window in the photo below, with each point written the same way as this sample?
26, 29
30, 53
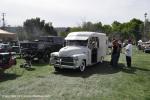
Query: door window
93, 42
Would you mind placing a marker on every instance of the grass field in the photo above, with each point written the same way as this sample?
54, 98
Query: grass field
99, 82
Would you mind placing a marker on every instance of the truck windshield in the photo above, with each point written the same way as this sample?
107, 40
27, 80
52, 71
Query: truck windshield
76, 43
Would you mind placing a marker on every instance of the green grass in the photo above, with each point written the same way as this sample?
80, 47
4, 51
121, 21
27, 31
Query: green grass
99, 82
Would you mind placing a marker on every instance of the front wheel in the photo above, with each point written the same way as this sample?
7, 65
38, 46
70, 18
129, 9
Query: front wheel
82, 66
57, 69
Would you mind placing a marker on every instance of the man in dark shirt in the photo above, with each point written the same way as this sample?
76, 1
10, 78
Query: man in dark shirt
114, 55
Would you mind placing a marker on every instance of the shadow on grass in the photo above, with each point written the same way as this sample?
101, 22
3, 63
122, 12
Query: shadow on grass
7, 76
30, 69
131, 70
128, 70
40, 64
142, 69
101, 68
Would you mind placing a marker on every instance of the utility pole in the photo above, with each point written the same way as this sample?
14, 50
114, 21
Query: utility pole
3, 20
145, 15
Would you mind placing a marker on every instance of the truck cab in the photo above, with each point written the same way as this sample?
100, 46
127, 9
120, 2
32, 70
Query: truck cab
82, 49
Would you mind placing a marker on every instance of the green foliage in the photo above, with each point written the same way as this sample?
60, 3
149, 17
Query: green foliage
107, 29
35, 27
132, 29
116, 27
147, 29
64, 34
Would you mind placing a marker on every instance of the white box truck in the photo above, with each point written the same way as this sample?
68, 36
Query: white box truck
81, 49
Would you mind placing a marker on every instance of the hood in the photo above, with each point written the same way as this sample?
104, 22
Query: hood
69, 51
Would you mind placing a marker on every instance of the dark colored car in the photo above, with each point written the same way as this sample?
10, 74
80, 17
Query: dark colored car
147, 47
5, 48
41, 48
16, 49
6, 61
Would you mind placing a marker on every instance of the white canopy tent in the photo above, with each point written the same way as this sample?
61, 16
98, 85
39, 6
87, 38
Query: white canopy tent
4, 35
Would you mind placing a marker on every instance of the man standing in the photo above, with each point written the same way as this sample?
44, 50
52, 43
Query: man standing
128, 53
114, 55
119, 50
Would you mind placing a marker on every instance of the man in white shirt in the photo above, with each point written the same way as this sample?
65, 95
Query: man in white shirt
128, 53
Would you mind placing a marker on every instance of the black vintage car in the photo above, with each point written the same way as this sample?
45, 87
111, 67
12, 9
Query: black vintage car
41, 48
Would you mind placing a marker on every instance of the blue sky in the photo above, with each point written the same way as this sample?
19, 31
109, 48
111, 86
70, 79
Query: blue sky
63, 13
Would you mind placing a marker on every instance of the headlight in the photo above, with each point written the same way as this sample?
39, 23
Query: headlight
75, 58
52, 55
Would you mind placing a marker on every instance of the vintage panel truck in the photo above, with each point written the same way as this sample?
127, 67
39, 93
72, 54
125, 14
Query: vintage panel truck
81, 49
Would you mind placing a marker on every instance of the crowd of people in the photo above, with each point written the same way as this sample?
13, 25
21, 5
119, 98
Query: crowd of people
117, 49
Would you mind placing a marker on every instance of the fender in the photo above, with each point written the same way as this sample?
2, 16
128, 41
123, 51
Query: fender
80, 57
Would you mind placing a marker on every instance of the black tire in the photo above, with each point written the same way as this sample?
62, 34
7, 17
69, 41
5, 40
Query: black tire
46, 56
82, 66
57, 69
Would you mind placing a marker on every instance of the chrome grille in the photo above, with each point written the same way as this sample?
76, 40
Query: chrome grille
66, 61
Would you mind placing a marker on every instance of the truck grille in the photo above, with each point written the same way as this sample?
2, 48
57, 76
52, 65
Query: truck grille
66, 61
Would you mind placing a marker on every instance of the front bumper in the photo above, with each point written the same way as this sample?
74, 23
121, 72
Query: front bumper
63, 63
65, 66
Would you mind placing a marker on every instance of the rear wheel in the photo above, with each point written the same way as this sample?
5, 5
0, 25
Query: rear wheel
82, 66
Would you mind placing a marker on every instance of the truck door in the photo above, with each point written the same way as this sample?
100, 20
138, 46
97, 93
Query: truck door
94, 45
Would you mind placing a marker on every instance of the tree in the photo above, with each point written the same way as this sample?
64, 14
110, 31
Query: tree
116, 27
135, 28
147, 29
98, 27
107, 29
132, 29
35, 27
66, 32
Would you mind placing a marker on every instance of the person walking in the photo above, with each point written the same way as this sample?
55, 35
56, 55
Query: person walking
128, 53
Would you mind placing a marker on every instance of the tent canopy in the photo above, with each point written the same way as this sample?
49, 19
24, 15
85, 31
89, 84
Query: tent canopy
4, 35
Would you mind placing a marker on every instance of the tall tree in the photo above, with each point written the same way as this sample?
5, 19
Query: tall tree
135, 28
35, 27
107, 29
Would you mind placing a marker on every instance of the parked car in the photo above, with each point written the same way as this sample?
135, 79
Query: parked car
7, 60
42, 48
82, 49
16, 49
147, 47
5, 48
